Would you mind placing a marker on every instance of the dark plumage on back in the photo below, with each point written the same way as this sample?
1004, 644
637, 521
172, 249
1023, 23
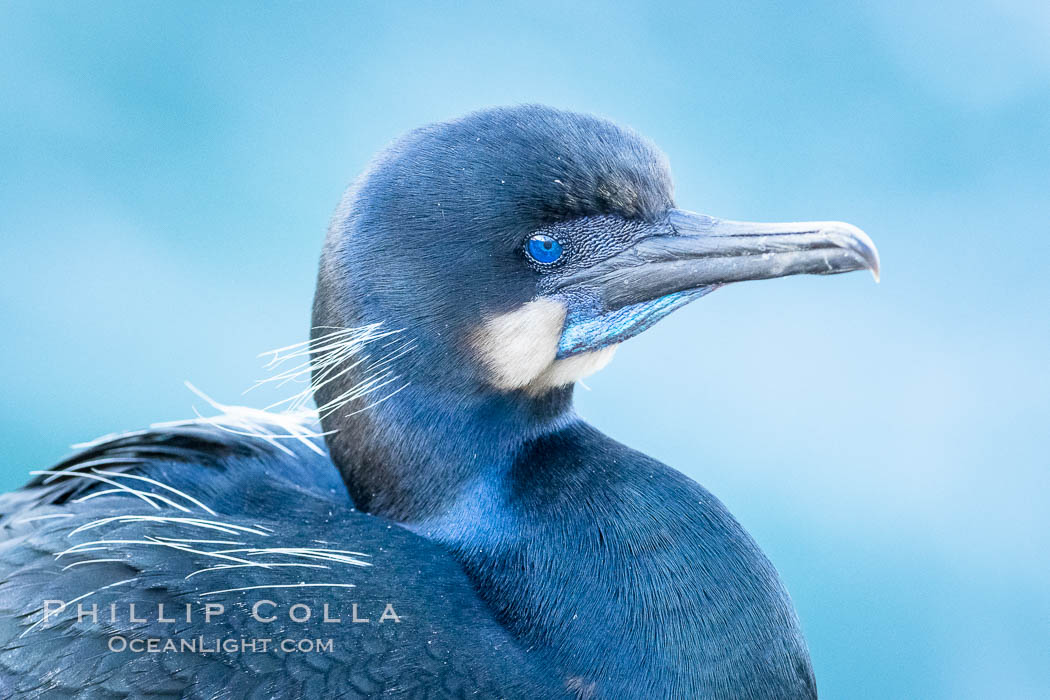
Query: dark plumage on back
233, 499
471, 275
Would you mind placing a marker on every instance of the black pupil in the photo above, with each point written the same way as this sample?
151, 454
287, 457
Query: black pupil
547, 245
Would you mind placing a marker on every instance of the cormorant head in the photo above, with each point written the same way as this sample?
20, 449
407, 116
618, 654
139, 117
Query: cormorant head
518, 246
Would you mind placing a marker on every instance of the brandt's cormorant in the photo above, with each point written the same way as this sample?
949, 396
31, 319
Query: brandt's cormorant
451, 528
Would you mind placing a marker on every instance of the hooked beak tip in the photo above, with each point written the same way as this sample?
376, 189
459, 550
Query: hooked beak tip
860, 243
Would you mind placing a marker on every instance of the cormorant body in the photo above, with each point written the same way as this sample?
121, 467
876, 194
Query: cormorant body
522, 552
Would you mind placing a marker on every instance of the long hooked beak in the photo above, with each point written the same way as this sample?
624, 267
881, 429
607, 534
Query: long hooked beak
701, 252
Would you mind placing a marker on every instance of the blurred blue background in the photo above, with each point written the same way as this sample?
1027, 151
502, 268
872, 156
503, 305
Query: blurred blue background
167, 170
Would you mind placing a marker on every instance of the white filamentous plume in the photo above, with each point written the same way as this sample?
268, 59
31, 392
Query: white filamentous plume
224, 554
259, 423
261, 557
314, 363
326, 358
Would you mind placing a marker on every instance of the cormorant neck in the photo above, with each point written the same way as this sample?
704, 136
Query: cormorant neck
427, 448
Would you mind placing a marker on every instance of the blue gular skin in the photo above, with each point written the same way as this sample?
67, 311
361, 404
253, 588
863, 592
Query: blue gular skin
586, 331
530, 555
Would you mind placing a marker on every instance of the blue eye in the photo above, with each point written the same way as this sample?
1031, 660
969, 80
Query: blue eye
544, 249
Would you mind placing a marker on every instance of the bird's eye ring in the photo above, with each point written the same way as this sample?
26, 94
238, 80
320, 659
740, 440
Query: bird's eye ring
544, 249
